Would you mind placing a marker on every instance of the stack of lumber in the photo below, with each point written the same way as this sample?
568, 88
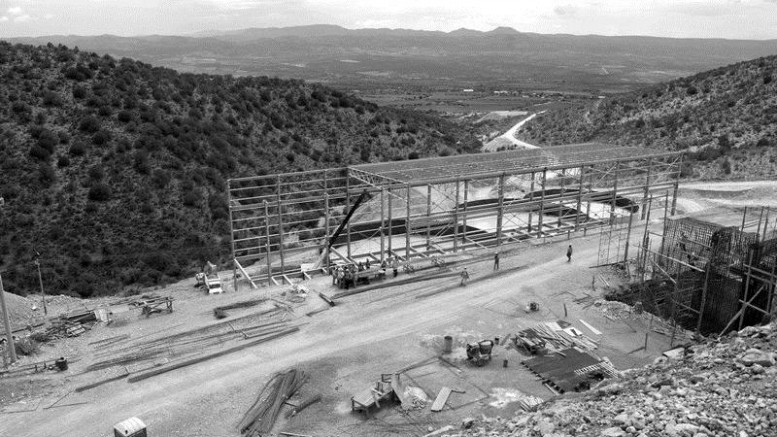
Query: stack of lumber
193, 342
61, 328
530, 403
221, 312
261, 417
558, 338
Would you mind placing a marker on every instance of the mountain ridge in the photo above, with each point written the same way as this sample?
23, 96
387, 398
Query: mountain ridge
500, 58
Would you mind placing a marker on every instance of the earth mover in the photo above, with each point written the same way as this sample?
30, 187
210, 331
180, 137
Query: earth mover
480, 353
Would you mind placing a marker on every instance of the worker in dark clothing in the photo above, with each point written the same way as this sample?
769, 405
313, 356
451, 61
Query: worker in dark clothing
496, 261
464, 277
395, 266
569, 253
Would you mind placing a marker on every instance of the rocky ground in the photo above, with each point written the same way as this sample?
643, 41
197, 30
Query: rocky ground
721, 387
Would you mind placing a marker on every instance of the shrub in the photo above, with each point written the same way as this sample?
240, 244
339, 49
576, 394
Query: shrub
40, 153
63, 161
725, 165
190, 198
89, 124
100, 192
50, 98
101, 137
160, 178
96, 173
79, 92
77, 149
124, 116
46, 175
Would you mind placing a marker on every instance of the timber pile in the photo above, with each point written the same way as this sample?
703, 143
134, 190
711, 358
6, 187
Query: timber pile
61, 328
192, 342
555, 336
221, 312
261, 417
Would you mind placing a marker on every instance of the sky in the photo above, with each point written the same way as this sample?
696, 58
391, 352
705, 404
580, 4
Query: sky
733, 19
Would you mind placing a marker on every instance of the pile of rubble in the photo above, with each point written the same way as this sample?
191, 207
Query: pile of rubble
723, 387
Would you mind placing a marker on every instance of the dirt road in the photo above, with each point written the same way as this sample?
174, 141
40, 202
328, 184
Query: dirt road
509, 137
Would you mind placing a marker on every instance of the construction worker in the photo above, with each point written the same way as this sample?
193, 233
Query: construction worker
569, 253
395, 266
464, 276
496, 261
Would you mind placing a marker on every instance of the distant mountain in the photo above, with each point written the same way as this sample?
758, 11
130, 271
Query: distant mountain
115, 171
726, 118
503, 58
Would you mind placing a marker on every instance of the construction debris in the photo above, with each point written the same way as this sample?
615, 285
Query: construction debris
261, 417
554, 336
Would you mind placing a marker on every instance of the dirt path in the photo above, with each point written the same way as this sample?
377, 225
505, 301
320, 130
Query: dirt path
509, 137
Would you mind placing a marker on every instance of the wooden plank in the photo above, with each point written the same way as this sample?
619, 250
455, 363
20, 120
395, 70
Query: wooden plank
240, 267
326, 299
442, 398
591, 328
341, 256
286, 278
398, 388
274, 281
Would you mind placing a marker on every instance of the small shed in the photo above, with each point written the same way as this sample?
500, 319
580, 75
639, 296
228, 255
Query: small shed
132, 427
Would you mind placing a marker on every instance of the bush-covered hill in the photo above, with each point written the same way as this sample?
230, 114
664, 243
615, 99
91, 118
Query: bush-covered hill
115, 171
726, 117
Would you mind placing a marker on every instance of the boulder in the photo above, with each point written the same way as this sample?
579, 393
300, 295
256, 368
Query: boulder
757, 356
546, 427
613, 432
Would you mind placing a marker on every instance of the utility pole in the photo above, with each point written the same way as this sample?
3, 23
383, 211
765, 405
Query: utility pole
40, 280
7, 325
42, 293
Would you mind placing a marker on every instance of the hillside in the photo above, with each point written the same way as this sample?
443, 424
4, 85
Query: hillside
368, 59
718, 388
726, 117
115, 171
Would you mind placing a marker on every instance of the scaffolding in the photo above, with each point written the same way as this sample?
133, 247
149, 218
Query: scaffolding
281, 223
712, 278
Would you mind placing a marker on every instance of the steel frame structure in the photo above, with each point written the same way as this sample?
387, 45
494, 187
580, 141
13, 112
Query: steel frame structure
280, 223
728, 284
